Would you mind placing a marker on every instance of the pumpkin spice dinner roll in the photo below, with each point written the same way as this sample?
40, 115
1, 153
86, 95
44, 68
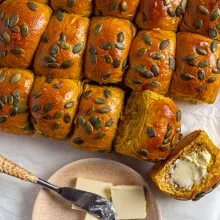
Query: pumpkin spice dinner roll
80, 7
150, 127
21, 26
61, 50
193, 169
15, 88
197, 72
152, 61
53, 105
97, 119
163, 14
107, 49
122, 8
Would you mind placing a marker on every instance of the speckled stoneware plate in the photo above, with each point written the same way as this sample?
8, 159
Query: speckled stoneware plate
49, 206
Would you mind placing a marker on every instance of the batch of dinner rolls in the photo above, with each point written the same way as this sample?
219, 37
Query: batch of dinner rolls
98, 71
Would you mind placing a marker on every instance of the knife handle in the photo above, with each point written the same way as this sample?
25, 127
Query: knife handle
12, 169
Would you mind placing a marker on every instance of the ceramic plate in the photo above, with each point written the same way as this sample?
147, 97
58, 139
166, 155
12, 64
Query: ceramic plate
49, 206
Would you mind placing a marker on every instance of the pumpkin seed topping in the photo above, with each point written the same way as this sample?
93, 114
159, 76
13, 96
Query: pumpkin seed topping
108, 46
151, 132
144, 153
107, 93
184, 4
93, 58
164, 44
71, 3
169, 127
137, 81
100, 135
80, 120
23, 109
172, 64
90, 111
78, 141
218, 63
203, 64
88, 128
6, 38
92, 50
142, 52
87, 94
50, 59
60, 15
190, 57
201, 51
77, 48
171, 12
64, 45
98, 29
62, 37
178, 116
140, 68
54, 50
17, 102
157, 56
58, 114
178, 129
213, 47
93, 119
4, 99
100, 101
36, 108
201, 88
147, 74
15, 78
17, 51
52, 65
32, 6
67, 118
2, 13
1, 105
56, 126
98, 123
124, 6
114, 6
166, 141
33, 121
203, 10
215, 14
163, 148
46, 117
187, 76
3, 77
155, 70
201, 74
45, 38
147, 39
199, 24
48, 107
166, 2
10, 100
216, 71
15, 29
2, 53
155, 84
104, 110
213, 33
69, 105
168, 134
3, 118
67, 64
57, 86
212, 79
116, 63
179, 11
121, 37
108, 59
106, 76
109, 123
13, 20
120, 46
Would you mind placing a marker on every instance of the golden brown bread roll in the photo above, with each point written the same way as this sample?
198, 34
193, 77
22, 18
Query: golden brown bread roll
107, 49
202, 17
53, 105
22, 24
97, 119
152, 61
15, 88
42, 1
195, 148
83, 8
197, 76
163, 14
149, 128
61, 50
123, 8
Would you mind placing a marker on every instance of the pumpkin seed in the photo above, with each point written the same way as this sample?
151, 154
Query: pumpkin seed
213, 33
178, 115
60, 15
109, 123
107, 93
77, 48
4, 99
169, 127
33, 121
93, 119
120, 37
87, 94
120, 46
2, 13
15, 29
67, 64
92, 50
166, 141
199, 24
23, 109
180, 136
7, 20
32, 6
80, 120
184, 4
201, 74
2, 53
217, 26
157, 56
6, 38
1, 105
212, 79
151, 132
78, 141
50, 59
147, 74
104, 110
17, 51
163, 148
98, 123
100, 101
56, 126
140, 68
178, 129
201, 51
48, 79
203, 64
216, 71
3, 118
201, 89
187, 76
108, 46
171, 12
90, 111
114, 6
69, 105
15, 78
142, 52
190, 57
106, 76
215, 14
52, 65
10, 100
179, 11
25, 30
199, 196
100, 135
116, 63
64, 45
71, 3
58, 114
48, 107
13, 20
166, 2
155, 70
3, 77
125, 64
45, 38
172, 64
124, 6
167, 135
203, 10
144, 153
88, 128
67, 118
93, 58
62, 36
98, 29
17, 102
108, 59
36, 108
164, 44
54, 50
213, 47
155, 84
137, 81
147, 39
218, 63
46, 117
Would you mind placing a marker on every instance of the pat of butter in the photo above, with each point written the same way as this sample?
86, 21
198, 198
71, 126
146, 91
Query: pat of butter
190, 170
129, 201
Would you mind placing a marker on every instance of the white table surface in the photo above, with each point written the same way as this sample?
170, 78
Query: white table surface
43, 157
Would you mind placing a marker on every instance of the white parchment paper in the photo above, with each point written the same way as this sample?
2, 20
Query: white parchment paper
43, 157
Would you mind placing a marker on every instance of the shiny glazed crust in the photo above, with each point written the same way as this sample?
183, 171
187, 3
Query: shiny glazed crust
62, 56
18, 48
123, 8
15, 88
107, 49
81, 7
53, 106
200, 17
195, 142
146, 71
156, 14
149, 127
191, 82
96, 123
42, 1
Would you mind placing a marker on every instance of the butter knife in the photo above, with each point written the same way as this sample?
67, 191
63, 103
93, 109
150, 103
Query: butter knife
90, 202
